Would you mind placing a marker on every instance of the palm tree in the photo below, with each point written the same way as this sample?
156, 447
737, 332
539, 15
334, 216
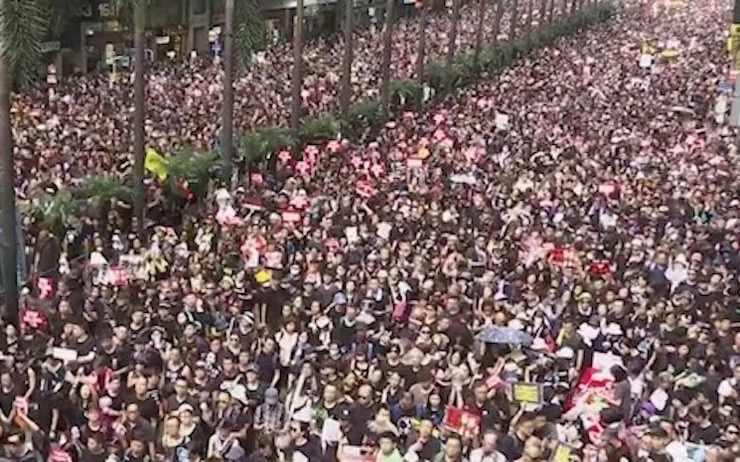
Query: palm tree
514, 19
500, 4
345, 93
385, 67
297, 77
227, 109
22, 28
479, 31
139, 112
453, 32
542, 14
421, 50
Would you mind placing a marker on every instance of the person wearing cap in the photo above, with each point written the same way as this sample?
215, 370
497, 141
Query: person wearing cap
270, 416
655, 441
253, 388
191, 429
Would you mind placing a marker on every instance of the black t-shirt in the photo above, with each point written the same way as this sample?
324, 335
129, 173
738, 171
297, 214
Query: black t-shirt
88, 456
311, 449
148, 407
255, 396
704, 435
511, 447
85, 347
359, 417
267, 364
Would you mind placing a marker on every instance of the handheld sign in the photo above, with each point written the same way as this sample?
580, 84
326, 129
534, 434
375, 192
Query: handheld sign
527, 393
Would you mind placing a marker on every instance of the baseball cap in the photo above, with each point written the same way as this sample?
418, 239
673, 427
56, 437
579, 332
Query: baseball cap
271, 394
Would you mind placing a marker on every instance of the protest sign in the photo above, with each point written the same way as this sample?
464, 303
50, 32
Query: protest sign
530, 393
502, 121
356, 454
561, 454
462, 422
64, 354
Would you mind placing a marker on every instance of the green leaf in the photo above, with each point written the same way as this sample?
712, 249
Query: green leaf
405, 94
250, 34
194, 167
105, 188
23, 25
255, 146
53, 210
321, 128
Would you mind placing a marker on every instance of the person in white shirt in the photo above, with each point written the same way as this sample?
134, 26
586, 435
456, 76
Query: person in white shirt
487, 452
729, 388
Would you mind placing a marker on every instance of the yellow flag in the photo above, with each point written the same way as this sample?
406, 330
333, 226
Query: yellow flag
156, 164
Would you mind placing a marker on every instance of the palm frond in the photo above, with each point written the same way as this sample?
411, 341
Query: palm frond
257, 145
105, 188
320, 128
52, 210
194, 167
250, 34
23, 25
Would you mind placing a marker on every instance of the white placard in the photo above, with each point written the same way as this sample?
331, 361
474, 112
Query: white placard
502, 121
646, 61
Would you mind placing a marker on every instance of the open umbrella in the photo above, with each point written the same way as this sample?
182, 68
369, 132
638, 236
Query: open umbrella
505, 335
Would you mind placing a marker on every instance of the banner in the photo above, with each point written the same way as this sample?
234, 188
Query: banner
156, 164
464, 423
356, 454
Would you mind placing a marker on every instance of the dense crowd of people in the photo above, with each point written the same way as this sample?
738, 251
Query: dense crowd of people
542, 266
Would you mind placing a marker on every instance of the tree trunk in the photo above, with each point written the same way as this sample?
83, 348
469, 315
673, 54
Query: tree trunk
573, 6
421, 51
479, 32
452, 45
565, 8
139, 113
385, 70
497, 21
542, 14
8, 238
530, 12
297, 78
551, 12
514, 19
345, 95
227, 108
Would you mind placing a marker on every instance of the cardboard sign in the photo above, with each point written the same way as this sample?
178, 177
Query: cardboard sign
561, 454
646, 61
384, 230
64, 354
351, 234
331, 431
291, 217
462, 422
414, 162
696, 452
530, 393
502, 121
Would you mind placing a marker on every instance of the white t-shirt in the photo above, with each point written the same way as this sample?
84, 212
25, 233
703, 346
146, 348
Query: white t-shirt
477, 455
727, 388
